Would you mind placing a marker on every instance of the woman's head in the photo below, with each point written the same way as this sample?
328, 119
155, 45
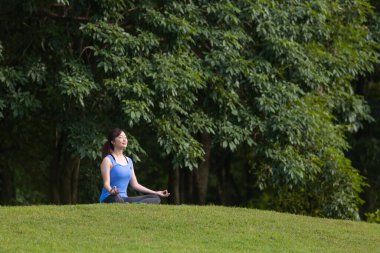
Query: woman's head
116, 138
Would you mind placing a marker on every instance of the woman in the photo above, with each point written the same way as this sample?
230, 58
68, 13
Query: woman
117, 172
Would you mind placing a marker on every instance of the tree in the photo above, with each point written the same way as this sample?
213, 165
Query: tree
271, 78
365, 145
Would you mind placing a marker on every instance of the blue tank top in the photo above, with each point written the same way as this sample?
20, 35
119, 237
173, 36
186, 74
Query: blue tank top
119, 177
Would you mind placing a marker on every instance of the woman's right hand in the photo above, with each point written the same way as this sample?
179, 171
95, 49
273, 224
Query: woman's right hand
114, 191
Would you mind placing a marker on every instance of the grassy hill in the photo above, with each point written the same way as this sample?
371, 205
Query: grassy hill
162, 228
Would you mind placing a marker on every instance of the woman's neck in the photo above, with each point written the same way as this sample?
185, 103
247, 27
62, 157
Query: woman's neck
117, 152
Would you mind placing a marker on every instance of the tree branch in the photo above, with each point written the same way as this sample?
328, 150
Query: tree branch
51, 14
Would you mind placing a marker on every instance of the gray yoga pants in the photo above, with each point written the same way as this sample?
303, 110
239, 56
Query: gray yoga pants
149, 199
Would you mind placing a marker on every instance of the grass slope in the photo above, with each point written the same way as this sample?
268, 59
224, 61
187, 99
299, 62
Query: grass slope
163, 228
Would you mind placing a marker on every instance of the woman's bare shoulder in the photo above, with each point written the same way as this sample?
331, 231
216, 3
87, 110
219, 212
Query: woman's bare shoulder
106, 161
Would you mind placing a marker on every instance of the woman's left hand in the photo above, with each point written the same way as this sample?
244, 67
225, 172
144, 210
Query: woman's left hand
163, 193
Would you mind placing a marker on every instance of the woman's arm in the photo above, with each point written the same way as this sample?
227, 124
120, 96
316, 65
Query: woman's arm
138, 187
105, 168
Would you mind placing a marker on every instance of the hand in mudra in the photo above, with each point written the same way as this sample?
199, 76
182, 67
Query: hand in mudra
163, 193
114, 191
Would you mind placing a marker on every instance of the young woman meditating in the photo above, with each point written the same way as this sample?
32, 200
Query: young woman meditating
117, 172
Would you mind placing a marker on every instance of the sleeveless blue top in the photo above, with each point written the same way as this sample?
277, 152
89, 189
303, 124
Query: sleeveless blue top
119, 177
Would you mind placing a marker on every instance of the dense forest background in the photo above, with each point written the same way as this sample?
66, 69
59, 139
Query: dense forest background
263, 104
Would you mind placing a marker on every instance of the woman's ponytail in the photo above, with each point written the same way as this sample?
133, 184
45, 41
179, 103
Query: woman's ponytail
106, 149
108, 146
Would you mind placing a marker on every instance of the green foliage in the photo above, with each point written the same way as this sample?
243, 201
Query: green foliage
373, 217
76, 82
17, 98
84, 139
273, 75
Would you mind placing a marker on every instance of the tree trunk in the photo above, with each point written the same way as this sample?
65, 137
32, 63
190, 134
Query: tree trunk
222, 182
201, 174
248, 183
55, 169
188, 183
69, 179
181, 186
7, 191
235, 186
74, 181
222, 162
64, 174
174, 186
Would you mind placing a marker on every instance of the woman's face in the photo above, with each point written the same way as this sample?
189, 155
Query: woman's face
121, 141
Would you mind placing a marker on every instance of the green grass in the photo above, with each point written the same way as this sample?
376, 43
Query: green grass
163, 228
